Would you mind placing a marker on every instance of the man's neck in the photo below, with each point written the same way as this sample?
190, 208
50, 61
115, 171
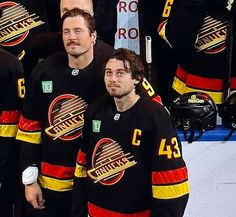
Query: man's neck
81, 61
126, 102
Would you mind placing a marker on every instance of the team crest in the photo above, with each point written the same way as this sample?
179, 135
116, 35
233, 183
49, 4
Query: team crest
66, 117
16, 23
109, 162
212, 35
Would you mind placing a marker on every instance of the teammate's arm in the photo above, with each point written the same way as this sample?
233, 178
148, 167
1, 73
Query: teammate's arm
79, 194
29, 135
170, 187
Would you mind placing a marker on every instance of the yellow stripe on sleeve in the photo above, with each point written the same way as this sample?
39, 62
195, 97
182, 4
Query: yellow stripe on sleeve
31, 137
170, 191
8, 130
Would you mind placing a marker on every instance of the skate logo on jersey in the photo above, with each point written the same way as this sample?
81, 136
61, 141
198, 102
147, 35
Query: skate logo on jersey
109, 162
212, 34
66, 117
16, 23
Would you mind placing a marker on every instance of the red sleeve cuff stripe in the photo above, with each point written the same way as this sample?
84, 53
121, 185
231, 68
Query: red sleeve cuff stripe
199, 82
170, 176
81, 158
9, 117
29, 125
101, 212
57, 171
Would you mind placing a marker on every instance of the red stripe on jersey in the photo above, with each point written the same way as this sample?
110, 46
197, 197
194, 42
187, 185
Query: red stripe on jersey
29, 125
233, 83
81, 158
157, 99
57, 171
198, 82
170, 176
101, 212
9, 117
161, 25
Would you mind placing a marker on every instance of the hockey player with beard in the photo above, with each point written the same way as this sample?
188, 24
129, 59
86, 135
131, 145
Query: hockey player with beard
130, 163
200, 32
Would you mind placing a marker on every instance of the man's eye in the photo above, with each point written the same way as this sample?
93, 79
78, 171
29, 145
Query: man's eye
108, 72
120, 74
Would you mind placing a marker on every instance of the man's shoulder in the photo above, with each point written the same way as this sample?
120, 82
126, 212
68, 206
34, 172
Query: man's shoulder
102, 48
46, 43
99, 103
57, 59
9, 63
151, 106
50, 65
5, 55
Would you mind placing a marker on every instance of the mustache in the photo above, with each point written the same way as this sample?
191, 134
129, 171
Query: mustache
113, 85
72, 43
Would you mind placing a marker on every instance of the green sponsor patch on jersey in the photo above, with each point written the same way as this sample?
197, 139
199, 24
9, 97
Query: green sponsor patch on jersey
96, 126
47, 86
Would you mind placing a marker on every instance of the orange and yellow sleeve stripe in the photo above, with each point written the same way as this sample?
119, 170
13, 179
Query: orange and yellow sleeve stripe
9, 123
56, 177
170, 184
29, 131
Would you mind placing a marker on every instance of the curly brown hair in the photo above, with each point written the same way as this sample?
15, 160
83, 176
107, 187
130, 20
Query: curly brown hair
128, 56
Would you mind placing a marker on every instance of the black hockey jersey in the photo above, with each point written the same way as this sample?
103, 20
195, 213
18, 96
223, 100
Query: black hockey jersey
130, 162
199, 34
12, 90
20, 22
53, 116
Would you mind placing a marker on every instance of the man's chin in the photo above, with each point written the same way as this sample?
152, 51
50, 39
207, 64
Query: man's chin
75, 54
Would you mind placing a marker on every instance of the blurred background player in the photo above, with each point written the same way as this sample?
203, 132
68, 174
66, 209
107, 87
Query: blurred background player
164, 62
201, 33
21, 21
11, 96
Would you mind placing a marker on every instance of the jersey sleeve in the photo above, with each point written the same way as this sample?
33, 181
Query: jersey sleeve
181, 21
147, 90
79, 196
29, 130
170, 186
12, 86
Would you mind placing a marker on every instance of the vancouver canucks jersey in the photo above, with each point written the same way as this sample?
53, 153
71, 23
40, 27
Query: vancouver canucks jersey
11, 95
131, 163
21, 21
202, 36
53, 116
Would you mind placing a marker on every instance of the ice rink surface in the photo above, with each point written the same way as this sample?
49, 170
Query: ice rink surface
212, 176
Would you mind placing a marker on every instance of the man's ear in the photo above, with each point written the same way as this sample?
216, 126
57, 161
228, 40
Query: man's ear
94, 37
136, 81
